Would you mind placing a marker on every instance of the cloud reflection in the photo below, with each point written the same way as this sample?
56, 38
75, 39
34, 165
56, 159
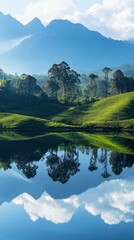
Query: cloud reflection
113, 201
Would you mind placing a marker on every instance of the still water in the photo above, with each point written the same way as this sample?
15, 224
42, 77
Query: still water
66, 186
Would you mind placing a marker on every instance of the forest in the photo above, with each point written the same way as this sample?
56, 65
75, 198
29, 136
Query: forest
61, 85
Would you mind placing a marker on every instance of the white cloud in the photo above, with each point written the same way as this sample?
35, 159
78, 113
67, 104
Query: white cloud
47, 10
56, 211
114, 18
7, 45
117, 201
113, 201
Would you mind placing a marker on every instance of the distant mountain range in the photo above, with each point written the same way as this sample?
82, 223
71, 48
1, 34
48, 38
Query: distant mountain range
33, 48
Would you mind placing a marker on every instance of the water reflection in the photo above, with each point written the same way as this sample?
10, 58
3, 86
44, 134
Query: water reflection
62, 165
67, 186
119, 161
63, 160
113, 201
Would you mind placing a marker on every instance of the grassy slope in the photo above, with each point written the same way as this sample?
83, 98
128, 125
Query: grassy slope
14, 121
44, 110
113, 112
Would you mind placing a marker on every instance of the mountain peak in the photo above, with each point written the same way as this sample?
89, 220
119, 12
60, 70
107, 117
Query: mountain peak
35, 21
60, 23
35, 26
68, 27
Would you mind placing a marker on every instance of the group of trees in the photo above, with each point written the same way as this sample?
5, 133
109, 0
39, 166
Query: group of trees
20, 92
65, 85
106, 86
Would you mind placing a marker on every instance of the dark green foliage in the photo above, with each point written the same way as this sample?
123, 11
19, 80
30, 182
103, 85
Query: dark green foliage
93, 85
120, 83
105, 82
119, 161
5, 84
91, 89
63, 83
26, 85
61, 168
2, 74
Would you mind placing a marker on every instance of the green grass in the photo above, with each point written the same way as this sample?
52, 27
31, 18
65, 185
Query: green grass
115, 112
115, 142
44, 110
17, 121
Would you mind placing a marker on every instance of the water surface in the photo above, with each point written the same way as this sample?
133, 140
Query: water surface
66, 186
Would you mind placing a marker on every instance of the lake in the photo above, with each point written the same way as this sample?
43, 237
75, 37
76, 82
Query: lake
66, 186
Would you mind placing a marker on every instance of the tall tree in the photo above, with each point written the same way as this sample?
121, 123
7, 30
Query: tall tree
26, 85
93, 85
63, 82
105, 82
118, 82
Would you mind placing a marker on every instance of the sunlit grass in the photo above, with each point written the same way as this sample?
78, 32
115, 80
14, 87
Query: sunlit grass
117, 109
115, 112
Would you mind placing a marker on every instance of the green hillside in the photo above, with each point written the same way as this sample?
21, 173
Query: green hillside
17, 121
115, 112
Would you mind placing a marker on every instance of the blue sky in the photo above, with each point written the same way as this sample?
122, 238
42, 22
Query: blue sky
112, 18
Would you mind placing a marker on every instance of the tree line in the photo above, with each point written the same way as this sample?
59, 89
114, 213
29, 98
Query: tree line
65, 85
62, 166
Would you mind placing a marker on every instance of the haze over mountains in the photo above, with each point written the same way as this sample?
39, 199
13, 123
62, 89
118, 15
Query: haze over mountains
33, 48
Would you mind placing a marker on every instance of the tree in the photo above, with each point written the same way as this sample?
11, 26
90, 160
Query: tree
26, 85
104, 83
106, 71
63, 83
2, 74
52, 88
130, 84
5, 84
93, 85
118, 82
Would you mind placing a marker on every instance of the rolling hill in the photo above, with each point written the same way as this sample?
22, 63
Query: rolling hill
113, 113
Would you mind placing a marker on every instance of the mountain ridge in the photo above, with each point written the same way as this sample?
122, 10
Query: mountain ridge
61, 40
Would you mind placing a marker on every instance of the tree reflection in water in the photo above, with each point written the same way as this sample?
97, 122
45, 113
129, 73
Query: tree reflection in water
119, 161
60, 168
99, 157
62, 161
93, 159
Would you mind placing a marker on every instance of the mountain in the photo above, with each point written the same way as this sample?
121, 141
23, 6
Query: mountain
10, 27
34, 27
39, 47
